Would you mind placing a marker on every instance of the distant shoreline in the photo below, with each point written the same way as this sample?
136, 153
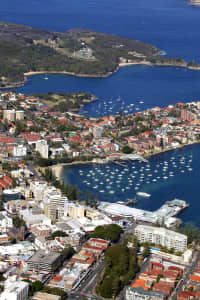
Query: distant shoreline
68, 73
125, 64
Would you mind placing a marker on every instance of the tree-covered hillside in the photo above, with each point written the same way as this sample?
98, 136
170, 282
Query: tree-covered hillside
24, 49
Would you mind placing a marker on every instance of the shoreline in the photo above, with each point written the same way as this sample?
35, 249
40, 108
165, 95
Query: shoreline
147, 63
120, 65
68, 73
58, 168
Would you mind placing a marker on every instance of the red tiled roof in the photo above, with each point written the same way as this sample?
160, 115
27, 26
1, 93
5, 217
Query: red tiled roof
7, 140
6, 178
195, 278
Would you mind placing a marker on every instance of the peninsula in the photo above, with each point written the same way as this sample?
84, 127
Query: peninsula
25, 51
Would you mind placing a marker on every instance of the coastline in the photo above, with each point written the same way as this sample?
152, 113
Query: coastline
120, 65
147, 63
58, 168
69, 73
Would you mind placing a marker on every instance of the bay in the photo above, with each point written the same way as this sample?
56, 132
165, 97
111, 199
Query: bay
173, 174
155, 86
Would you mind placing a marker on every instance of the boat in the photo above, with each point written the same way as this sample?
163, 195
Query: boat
131, 201
46, 78
143, 194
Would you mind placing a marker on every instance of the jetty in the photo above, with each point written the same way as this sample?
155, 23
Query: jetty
166, 212
131, 201
119, 163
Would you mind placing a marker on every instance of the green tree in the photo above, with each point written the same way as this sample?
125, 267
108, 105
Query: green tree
127, 150
146, 250
18, 222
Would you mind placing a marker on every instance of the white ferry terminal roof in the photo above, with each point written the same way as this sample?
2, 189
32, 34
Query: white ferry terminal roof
118, 209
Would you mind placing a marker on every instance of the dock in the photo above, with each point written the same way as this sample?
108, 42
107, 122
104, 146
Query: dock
131, 201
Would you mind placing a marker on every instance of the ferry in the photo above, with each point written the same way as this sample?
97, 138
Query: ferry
142, 194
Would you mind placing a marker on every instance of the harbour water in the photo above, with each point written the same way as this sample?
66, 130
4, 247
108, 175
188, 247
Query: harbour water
153, 86
172, 25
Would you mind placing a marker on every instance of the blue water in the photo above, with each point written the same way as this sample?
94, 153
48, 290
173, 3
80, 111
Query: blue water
166, 176
155, 86
173, 26
170, 24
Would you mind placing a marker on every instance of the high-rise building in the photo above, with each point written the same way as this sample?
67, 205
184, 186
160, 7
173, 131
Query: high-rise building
9, 114
43, 148
20, 115
97, 132
54, 203
15, 290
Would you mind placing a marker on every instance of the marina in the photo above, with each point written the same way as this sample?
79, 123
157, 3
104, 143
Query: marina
113, 183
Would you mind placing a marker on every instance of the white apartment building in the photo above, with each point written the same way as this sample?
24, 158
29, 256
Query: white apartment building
74, 210
15, 290
19, 150
161, 236
12, 114
97, 131
19, 115
43, 148
54, 203
5, 222
37, 188
9, 114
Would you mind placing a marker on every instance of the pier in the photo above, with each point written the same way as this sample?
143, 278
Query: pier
133, 157
165, 213
119, 163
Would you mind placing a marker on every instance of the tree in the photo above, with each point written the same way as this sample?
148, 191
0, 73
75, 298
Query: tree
121, 267
87, 197
146, 251
127, 150
37, 285
58, 233
110, 232
18, 222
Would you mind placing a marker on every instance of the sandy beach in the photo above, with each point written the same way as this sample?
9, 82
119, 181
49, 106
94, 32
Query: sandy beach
66, 73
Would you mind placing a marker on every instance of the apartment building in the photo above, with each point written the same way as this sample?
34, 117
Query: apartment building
141, 294
161, 236
43, 148
15, 290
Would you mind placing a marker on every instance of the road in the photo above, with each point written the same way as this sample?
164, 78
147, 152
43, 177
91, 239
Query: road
186, 276
87, 286
33, 170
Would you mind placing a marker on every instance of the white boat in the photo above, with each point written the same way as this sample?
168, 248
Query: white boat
142, 194
46, 78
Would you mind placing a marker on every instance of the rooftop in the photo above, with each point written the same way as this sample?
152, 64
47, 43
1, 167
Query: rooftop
43, 257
